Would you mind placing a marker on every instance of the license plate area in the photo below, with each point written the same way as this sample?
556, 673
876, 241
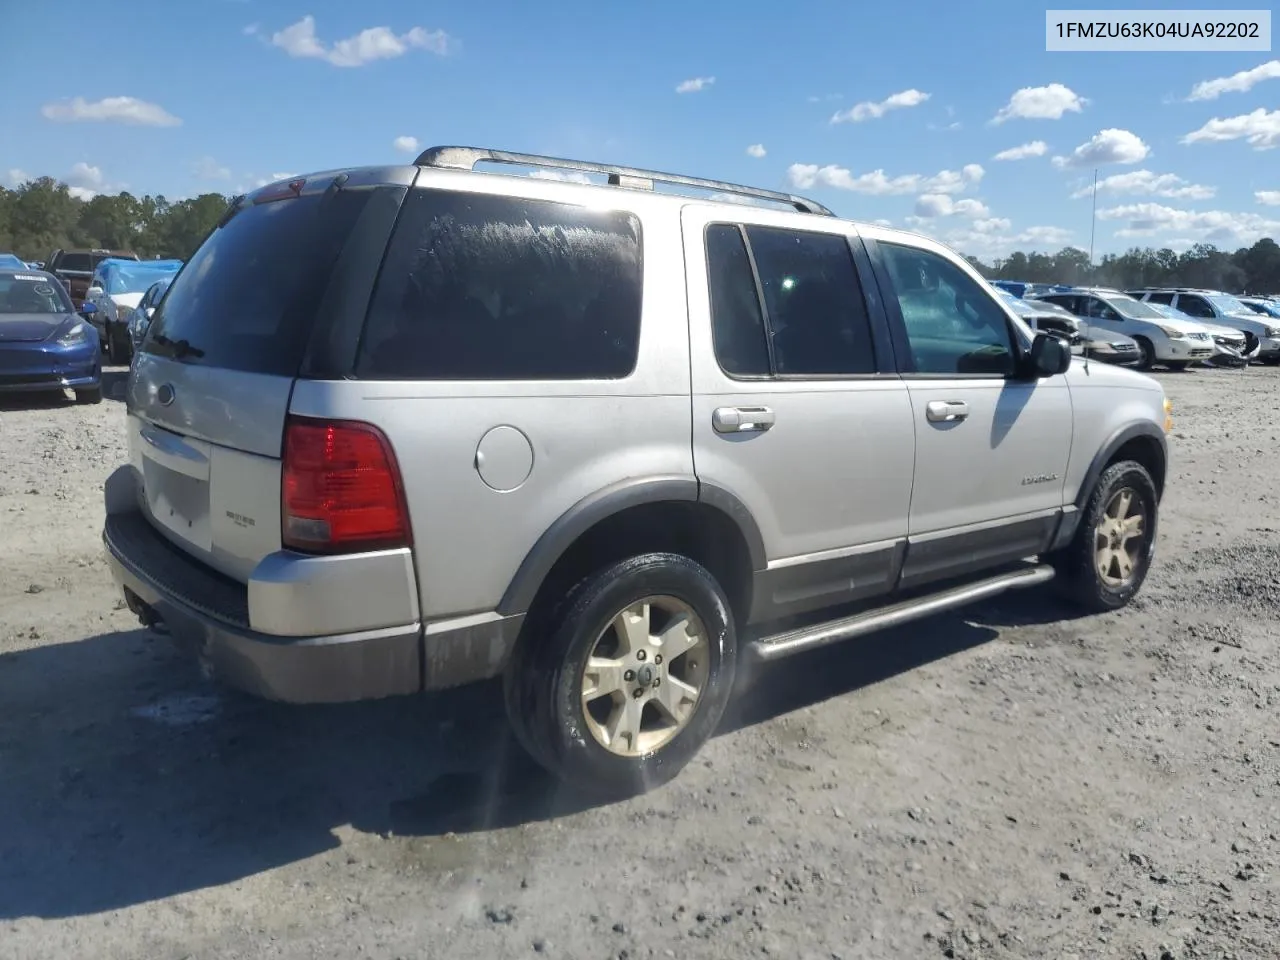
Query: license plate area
175, 479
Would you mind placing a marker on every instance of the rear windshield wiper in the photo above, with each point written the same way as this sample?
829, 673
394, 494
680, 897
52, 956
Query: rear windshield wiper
177, 349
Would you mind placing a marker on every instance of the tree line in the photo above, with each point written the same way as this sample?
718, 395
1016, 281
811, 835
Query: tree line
42, 215
1254, 269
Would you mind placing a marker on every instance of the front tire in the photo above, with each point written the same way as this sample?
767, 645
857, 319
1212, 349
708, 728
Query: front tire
631, 677
1104, 566
1148, 352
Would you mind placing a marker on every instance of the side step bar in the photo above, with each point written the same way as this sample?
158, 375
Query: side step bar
809, 638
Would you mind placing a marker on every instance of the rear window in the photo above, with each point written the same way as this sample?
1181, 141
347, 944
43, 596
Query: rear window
247, 298
81, 262
478, 287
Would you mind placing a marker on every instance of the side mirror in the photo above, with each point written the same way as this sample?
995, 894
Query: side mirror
1049, 356
87, 308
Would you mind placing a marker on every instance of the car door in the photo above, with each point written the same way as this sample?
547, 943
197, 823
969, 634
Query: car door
797, 411
991, 445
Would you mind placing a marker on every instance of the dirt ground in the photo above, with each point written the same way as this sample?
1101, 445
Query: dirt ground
1003, 783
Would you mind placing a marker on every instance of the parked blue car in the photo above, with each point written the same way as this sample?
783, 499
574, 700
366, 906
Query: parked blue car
10, 261
44, 345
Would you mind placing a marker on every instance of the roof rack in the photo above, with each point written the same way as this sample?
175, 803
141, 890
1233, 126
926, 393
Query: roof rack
466, 158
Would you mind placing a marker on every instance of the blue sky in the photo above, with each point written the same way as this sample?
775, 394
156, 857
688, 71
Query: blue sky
891, 112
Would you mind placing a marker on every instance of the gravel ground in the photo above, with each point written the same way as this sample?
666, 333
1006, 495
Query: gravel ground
1005, 783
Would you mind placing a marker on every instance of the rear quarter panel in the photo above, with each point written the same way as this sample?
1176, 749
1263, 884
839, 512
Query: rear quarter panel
470, 539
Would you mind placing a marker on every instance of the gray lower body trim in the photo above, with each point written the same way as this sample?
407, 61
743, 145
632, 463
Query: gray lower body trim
964, 553
205, 615
801, 585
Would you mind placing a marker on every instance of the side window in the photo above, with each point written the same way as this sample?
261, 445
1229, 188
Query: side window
1096, 309
478, 287
817, 315
1195, 306
953, 325
1165, 298
737, 322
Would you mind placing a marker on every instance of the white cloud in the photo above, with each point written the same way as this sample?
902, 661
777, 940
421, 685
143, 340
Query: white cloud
252, 30
1036, 148
375, 43
1144, 181
84, 181
1260, 128
1106, 146
694, 85
405, 144
992, 224
803, 176
1236, 83
930, 205
128, 110
206, 168
1041, 103
17, 177
868, 110
756, 150
571, 177
1269, 198
828, 97
1216, 226
992, 238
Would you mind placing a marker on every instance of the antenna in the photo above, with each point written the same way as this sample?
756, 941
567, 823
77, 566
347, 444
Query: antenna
1093, 223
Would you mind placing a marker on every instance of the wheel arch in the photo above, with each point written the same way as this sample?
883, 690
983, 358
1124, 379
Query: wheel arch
1142, 442
640, 515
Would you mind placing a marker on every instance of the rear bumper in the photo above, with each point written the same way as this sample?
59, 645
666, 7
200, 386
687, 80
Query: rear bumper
203, 615
208, 615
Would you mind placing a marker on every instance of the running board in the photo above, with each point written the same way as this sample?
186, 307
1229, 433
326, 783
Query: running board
832, 631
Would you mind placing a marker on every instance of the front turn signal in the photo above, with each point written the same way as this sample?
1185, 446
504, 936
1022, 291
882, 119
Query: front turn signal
1168, 415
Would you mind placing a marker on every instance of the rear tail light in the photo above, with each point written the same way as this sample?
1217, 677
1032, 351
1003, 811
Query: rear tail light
340, 488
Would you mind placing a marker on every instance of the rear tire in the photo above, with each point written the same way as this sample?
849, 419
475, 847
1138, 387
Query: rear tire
1148, 358
1104, 566
119, 349
587, 726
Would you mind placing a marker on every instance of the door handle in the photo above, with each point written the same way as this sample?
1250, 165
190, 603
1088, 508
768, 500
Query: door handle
742, 419
946, 411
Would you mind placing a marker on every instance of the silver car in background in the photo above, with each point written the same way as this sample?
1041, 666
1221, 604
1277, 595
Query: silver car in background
1176, 344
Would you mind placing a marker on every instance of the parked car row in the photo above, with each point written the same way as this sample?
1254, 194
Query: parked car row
1174, 327
118, 290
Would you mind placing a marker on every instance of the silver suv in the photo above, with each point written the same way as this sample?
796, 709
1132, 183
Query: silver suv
402, 428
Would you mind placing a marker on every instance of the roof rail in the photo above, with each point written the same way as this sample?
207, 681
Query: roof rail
466, 158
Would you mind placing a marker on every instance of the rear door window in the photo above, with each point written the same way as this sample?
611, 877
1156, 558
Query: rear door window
247, 299
77, 262
479, 287
1194, 306
1165, 298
